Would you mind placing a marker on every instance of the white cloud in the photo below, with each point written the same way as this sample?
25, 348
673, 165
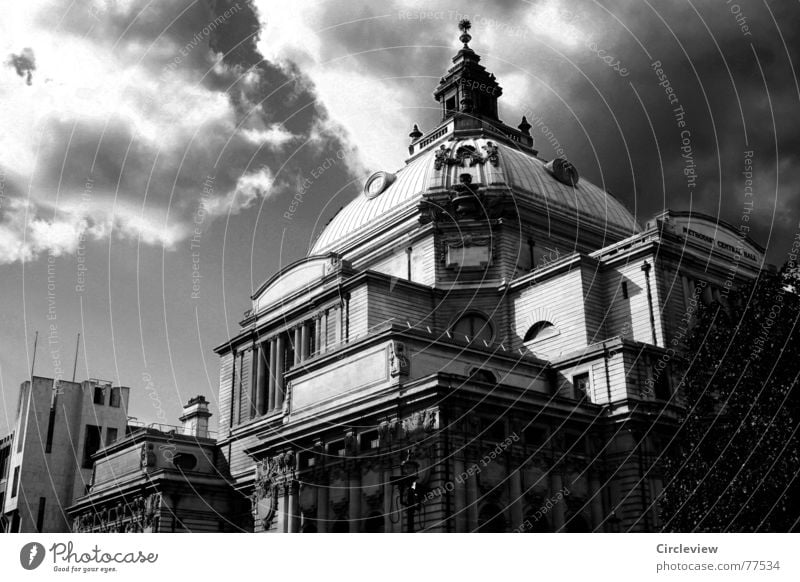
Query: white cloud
249, 188
372, 113
274, 137
28, 230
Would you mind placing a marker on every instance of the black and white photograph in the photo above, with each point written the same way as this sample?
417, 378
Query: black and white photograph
383, 267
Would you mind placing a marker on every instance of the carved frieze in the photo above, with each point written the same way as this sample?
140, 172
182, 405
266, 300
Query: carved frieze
398, 359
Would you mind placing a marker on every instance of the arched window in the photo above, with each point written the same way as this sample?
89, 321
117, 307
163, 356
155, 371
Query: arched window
539, 331
472, 327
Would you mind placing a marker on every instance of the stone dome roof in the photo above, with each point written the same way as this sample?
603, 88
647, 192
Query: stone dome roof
526, 176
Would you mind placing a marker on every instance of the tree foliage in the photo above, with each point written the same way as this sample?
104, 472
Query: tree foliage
733, 464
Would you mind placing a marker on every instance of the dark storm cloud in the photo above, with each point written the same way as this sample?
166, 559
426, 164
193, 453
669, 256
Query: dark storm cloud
24, 64
725, 61
185, 95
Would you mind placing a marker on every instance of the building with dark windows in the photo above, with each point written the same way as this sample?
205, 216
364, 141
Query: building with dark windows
482, 340
159, 479
48, 460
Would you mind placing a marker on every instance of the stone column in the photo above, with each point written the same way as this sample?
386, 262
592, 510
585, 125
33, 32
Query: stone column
317, 335
323, 332
472, 500
304, 342
460, 505
354, 493
298, 339
294, 508
273, 377
516, 498
282, 523
322, 507
558, 507
279, 367
388, 491
261, 380
596, 503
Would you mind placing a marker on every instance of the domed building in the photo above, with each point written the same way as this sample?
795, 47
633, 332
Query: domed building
480, 341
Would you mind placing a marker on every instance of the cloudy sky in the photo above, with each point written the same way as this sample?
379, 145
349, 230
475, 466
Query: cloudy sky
149, 151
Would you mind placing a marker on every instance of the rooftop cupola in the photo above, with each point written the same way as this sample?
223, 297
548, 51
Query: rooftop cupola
467, 87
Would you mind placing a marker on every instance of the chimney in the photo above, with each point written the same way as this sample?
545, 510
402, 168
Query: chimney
195, 417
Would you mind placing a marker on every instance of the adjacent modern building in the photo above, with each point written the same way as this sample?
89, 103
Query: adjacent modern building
482, 340
48, 459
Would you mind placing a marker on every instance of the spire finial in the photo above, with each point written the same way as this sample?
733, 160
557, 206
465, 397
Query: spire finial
464, 26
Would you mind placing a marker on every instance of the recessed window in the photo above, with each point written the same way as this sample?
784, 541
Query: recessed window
99, 395
661, 384
111, 435
369, 441
535, 436
115, 400
625, 289
483, 375
91, 445
580, 385
539, 331
15, 482
184, 461
473, 327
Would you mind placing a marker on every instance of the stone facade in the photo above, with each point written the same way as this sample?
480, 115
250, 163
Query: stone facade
482, 341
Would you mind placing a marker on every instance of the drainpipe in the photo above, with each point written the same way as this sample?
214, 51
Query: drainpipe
646, 268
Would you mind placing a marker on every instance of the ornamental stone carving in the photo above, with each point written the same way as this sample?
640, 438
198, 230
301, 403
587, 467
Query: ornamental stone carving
398, 360
265, 499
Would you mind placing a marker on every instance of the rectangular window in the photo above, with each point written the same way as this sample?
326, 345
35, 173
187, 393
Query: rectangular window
580, 384
661, 383
111, 435
116, 399
15, 482
493, 429
51, 426
99, 395
625, 289
91, 445
23, 421
369, 441
535, 436
40, 514
4, 454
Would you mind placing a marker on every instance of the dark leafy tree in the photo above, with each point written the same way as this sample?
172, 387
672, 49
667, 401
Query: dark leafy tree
733, 465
